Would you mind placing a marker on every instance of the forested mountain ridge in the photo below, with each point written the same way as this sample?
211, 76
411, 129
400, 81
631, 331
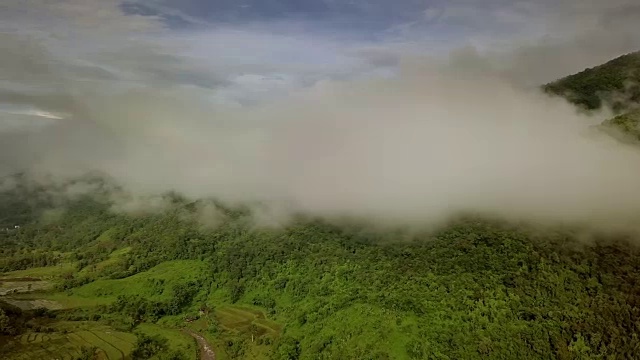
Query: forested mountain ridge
615, 83
474, 289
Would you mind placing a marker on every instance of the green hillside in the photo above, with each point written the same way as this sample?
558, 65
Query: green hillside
475, 289
615, 83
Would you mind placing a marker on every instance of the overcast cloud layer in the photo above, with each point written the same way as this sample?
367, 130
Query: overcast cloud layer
413, 119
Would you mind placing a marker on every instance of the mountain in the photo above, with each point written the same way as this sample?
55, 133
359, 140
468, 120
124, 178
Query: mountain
615, 84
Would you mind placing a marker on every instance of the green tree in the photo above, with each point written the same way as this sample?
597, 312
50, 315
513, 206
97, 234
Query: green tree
288, 348
148, 346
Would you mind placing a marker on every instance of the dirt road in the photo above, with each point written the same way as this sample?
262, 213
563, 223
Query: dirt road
206, 351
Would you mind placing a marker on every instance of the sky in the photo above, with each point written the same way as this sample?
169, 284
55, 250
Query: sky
359, 107
248, 51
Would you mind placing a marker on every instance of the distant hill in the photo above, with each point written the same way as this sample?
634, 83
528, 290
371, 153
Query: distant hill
628, 123
615, 83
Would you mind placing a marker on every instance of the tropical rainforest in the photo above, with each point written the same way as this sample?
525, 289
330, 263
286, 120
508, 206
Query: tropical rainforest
81, 281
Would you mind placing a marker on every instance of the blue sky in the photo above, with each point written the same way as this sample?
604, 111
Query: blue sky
450, 22
251, 51
361, 15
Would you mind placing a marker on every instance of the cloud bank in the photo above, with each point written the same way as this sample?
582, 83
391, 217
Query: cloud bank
425, 141
432, 142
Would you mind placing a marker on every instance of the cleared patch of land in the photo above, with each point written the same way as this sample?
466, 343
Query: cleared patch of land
150, 284
67, 342
176, 339
240, 319
34, 304
114, 261
42, 273
22, 285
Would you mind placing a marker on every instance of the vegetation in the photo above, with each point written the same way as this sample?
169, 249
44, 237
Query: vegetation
478, 288
175, 340
615, 84
78, 340
625, 126
11, 319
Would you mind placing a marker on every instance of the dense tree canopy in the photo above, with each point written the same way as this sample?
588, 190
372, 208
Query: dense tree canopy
476, 288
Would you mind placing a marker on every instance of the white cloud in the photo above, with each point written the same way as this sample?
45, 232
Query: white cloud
419, 146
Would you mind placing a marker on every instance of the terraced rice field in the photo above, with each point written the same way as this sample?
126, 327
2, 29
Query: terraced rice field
112, 345
237, 318
22, 285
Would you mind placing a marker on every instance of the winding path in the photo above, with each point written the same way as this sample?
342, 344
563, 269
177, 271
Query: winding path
206, 351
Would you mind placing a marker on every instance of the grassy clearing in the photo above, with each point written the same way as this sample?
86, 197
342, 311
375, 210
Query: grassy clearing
113, 261
44, 273
151, 284
60, 300
177, 340
22, 285
117, 254
240, 318
69, 301
34, 304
